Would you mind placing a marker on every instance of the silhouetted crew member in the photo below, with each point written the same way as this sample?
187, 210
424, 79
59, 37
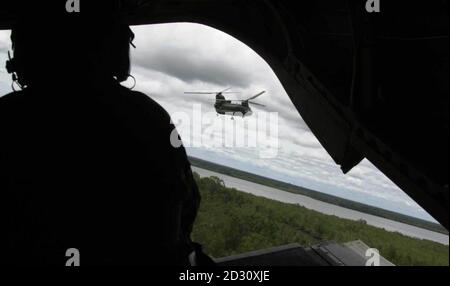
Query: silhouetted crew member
84, 162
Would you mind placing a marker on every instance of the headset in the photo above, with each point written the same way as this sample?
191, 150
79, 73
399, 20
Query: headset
12, 67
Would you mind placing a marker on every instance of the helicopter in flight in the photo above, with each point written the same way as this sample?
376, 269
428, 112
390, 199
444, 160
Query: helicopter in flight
232, 107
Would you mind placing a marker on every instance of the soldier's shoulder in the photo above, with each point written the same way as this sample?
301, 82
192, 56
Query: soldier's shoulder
142, 102
11, 100
12, 97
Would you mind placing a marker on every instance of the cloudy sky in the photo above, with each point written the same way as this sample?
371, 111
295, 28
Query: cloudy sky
173, 58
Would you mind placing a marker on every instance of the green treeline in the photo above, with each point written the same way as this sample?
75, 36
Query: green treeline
318, 195
231, 222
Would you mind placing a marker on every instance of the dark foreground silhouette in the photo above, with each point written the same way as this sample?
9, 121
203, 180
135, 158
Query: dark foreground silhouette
84, 162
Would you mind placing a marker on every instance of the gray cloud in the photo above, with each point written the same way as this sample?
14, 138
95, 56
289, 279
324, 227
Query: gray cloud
190, 55
301, 158
187, 66
5, 41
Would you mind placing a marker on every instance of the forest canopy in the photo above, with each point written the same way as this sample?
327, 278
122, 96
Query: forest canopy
231, 222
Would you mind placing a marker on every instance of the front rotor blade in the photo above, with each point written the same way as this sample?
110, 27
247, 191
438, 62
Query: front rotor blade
228, 92
225, 90
200, 93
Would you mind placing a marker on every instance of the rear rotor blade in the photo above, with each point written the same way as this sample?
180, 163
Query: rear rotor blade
257, 104
258, 95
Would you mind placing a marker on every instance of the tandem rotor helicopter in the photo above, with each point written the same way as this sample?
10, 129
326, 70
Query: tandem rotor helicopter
232, 107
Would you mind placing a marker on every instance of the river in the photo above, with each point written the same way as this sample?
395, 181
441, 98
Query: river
325, 208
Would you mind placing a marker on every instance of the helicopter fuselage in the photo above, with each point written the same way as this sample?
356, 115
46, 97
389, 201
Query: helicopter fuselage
239, 108
233, 109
